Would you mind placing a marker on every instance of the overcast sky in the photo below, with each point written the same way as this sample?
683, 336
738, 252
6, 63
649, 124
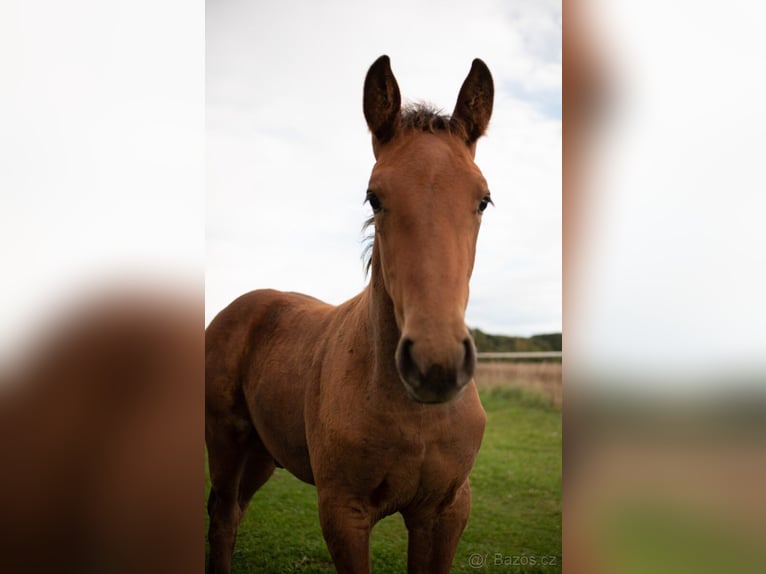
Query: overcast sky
289, 155
102, 163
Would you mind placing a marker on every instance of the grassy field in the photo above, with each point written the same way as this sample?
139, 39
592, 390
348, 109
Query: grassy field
515, 523
541, 379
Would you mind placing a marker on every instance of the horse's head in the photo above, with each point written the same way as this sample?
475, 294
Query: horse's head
428, 196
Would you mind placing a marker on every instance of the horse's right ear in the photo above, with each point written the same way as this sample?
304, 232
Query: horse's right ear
382, 100
474, 102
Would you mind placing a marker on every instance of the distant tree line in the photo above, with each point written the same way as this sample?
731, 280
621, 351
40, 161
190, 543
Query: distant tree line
486, 343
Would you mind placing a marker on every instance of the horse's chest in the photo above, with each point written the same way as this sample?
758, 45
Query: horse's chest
439, 458
421, 463
394, 456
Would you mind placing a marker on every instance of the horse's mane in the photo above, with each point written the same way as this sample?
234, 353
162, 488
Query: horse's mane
368, 242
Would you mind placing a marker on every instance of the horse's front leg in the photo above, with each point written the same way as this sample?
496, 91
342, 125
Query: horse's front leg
434, 534
346, 525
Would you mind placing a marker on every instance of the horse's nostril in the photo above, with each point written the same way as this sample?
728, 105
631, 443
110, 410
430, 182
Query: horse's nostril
406, 364
470, 354
469, 357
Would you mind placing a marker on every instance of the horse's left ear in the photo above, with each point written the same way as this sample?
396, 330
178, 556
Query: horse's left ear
382, 100
474, 103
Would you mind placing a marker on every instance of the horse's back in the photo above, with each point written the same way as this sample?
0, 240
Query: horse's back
241, 336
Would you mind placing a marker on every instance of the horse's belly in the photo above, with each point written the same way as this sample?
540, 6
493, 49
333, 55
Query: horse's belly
277, 415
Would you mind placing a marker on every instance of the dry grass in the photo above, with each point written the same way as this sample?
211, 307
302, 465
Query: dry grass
542, 377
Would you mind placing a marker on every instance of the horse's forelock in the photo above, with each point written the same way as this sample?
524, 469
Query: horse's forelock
426, 118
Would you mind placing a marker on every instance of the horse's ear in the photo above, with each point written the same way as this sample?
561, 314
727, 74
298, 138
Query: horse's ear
381, 100
474, 103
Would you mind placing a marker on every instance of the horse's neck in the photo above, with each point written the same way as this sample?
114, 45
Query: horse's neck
382, 330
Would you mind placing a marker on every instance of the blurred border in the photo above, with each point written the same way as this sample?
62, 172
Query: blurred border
101, 410
663, 460
101, 340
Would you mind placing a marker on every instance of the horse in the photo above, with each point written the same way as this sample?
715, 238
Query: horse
372, 401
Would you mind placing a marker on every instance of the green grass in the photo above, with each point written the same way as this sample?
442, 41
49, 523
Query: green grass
515, 519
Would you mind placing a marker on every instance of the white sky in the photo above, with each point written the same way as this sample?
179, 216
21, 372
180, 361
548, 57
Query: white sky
102, 161
289, 156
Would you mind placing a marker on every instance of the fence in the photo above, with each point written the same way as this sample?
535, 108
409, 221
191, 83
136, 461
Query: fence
519, 355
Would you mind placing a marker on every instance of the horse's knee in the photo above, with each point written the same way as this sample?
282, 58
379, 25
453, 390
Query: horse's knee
224, 512
224, 515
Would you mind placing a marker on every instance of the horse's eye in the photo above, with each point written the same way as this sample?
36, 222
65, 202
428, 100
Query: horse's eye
374, 202
484, 203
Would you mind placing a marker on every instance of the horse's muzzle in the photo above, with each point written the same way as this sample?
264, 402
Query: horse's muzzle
430, 380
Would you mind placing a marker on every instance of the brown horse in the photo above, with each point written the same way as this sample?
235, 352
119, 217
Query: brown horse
372, 401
